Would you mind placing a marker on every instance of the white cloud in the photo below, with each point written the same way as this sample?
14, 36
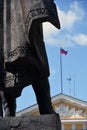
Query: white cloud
70, 17
51, 33
68, 20
49, 29
80, 39
52, 71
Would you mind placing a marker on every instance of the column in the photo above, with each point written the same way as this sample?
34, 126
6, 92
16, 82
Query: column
73, 126
84, 126
62, 126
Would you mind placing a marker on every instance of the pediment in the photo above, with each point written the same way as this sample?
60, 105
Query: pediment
68, 106
66, 111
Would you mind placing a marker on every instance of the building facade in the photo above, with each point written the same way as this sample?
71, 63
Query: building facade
73, 112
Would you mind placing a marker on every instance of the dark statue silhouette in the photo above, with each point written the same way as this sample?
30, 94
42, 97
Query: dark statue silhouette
23, 58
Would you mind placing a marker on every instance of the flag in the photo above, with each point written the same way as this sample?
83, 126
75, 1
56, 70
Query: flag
62, 51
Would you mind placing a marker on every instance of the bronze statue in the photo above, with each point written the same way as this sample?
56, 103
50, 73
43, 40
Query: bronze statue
1, 109
7, 106
23, 54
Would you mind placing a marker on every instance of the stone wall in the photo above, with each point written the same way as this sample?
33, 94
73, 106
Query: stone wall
31, 122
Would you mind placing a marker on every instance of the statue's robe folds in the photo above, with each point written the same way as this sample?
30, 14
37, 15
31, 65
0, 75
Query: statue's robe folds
23, 54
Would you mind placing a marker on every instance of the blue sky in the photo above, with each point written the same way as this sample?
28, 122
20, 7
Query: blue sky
72, 37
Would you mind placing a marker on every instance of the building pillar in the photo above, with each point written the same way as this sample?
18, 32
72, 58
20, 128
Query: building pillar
84, 126
73, 126
62, 126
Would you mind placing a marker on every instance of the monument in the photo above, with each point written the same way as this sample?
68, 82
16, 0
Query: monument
23, 58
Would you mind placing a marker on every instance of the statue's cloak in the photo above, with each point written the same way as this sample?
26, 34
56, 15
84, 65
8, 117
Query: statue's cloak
23, 54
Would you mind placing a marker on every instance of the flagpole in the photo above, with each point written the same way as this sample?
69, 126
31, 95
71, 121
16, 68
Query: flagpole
61, 72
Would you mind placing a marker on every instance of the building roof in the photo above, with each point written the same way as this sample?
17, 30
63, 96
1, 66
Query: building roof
69, 99
70, 108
